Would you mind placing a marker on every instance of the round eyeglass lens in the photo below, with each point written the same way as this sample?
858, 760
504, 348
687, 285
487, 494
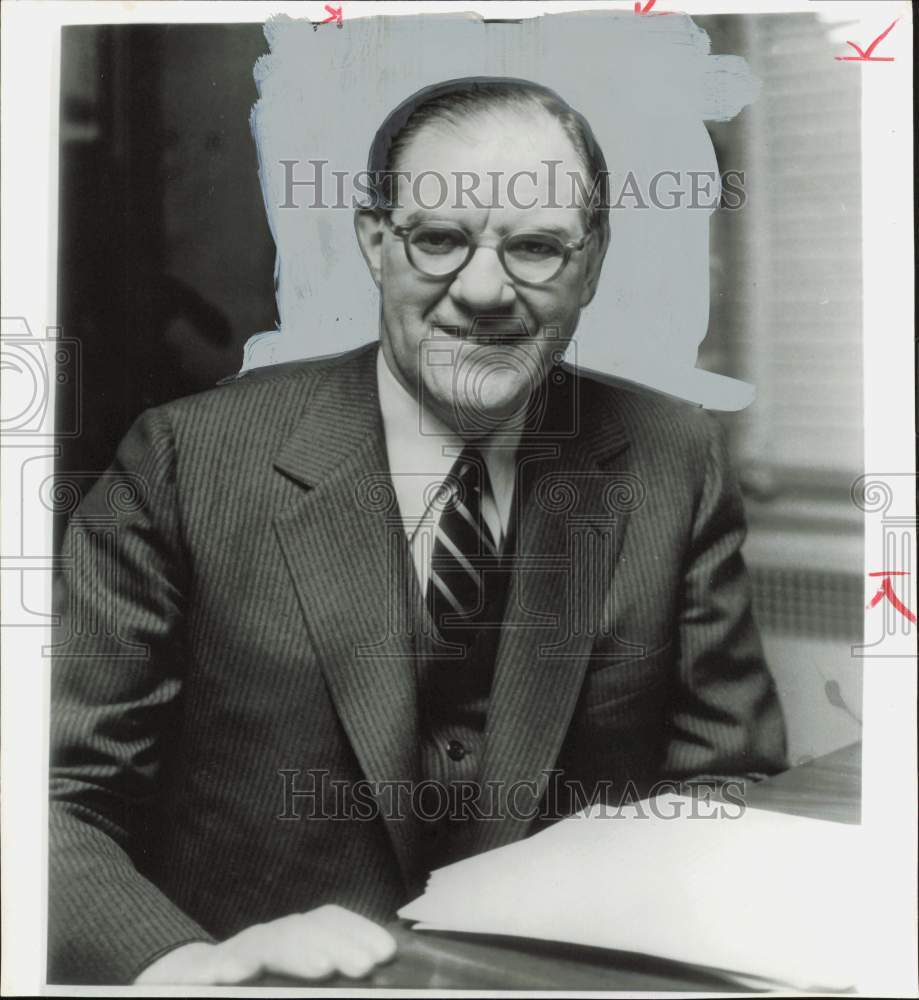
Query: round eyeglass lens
437, 250
533, 257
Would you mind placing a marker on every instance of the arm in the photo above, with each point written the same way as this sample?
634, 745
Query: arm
112, 697
726, 721
118, 672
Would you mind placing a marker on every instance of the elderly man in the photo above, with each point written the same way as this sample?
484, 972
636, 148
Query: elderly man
447, 562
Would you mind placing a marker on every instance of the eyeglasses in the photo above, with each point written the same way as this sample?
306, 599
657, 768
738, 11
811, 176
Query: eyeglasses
441, 250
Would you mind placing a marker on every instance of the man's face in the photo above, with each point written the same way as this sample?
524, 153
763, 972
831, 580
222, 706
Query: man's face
473, 346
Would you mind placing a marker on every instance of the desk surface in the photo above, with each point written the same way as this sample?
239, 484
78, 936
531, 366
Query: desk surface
826, 788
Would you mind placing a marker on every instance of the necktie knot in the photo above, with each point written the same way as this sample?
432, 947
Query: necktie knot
462, 543
467, 482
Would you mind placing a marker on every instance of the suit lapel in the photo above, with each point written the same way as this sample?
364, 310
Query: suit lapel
573, 494
348, 557
349, 560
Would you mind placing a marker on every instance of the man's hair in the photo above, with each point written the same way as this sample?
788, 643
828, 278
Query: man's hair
454, 101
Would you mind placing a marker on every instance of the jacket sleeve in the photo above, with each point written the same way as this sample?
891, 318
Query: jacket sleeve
727, 721
116, 677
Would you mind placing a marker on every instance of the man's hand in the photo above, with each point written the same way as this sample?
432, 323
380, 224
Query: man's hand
310, 945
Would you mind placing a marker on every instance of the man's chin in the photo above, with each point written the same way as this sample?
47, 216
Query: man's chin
489, 410
485, 385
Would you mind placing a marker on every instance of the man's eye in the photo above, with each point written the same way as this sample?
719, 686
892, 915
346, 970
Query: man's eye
534, 248
438, 241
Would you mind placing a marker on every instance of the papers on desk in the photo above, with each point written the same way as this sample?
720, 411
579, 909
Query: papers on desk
764, 895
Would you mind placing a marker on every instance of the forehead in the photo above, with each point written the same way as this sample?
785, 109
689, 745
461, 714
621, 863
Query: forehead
499, 138
483, 153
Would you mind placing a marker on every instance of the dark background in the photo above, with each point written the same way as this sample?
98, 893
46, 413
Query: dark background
166, 258
166, 269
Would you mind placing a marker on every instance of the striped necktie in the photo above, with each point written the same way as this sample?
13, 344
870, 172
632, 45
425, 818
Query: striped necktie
463, 544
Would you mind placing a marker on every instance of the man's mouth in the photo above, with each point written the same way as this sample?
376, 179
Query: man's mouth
488, 330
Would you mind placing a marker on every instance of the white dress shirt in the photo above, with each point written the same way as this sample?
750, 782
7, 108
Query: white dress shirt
420, 462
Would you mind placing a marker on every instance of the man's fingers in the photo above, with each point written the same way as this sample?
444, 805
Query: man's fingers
252, 954
310, 945
230, 968
343, 952
374, 938
308, 964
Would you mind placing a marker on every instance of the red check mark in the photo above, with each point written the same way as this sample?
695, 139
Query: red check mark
865, 55
647, 9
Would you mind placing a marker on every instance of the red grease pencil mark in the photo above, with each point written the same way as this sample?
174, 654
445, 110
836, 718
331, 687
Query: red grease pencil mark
654, 13
886, 590
335, 13
865, 55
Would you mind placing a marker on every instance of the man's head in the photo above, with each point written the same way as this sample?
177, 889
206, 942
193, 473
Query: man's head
483, 259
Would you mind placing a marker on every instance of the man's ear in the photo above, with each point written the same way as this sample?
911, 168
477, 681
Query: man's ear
369, 226
596, 251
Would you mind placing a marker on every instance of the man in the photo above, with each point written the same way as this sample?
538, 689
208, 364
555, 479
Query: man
451, 562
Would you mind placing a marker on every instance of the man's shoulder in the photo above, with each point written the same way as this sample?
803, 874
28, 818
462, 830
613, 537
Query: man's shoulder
647, 415
260, 391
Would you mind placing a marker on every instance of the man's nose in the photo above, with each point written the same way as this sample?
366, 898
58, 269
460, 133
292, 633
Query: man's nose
483, 284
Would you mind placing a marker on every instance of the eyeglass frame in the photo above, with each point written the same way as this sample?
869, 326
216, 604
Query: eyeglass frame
405, 232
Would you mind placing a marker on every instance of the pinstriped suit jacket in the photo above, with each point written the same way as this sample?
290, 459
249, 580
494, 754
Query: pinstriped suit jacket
230, 612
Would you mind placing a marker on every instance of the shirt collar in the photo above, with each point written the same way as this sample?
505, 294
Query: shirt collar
421, 456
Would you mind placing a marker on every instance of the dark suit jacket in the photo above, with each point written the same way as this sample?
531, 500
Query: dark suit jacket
230, 613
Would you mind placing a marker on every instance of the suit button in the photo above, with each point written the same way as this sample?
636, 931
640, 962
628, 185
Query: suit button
456, 750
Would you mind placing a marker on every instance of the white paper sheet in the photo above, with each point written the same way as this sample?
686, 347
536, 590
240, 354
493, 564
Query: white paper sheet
764, 894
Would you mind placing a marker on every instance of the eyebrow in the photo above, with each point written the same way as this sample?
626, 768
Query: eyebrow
552, 229
419, 215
